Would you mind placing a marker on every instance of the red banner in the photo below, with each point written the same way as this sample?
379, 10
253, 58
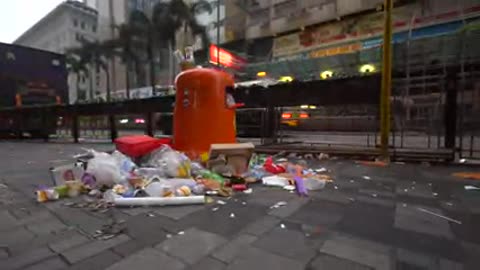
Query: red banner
227, 58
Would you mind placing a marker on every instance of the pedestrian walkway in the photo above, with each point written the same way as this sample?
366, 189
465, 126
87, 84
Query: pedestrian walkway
403, 216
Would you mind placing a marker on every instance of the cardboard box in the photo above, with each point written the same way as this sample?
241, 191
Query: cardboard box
232, 155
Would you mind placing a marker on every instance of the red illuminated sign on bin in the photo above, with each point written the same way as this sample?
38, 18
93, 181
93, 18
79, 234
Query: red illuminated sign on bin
227, 58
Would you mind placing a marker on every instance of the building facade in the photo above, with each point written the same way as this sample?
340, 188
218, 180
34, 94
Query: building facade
64, 28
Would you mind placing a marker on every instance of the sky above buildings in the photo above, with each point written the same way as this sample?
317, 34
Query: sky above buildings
17, 16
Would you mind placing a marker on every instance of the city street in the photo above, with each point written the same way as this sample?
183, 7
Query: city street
403, 216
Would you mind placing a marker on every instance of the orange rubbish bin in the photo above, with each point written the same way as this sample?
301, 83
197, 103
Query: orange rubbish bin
203, 113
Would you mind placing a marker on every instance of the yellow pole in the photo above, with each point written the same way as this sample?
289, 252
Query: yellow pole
386, 80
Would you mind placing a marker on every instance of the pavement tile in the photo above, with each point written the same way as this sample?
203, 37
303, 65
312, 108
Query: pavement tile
368, 221
220, 222
26, 259
375, 200
55, 263
288, 243
333, 196
89, 249
130, 247
208, 263
375, 192
148, 259
8, 220
262, 225
268, 196
414, 189
445, 264
360, 251
317, 212
178, 212
46, 226
15, 236
3, 253
71, 240
229, 251
133, 211
324, 261
411, 219
97, 262
258, 259
80, 219
414, 259
287, 210
145, 229
192, 246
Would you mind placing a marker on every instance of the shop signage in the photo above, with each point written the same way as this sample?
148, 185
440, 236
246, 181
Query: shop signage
225, 58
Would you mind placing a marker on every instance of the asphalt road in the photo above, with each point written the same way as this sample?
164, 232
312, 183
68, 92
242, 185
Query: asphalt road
404, 216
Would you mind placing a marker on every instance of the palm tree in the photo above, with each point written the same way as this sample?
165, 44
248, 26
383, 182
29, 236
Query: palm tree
76, 66
96, 54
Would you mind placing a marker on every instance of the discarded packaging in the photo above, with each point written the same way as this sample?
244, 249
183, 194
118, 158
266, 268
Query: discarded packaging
471, 188
440, 216
236, 155
314, 184
275, 181
156, 201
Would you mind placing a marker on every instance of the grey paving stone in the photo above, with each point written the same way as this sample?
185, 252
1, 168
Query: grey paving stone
415, 259
130, 247
419, 190
445, 264
208, 263
318, 212
136, 210
324, 261
267, 196
380, 193
97, 262
410, 218
148, 230
262, 225
55, 263
72, 240
375, 201
288, 243
258, 259
177, 212
287, 210
220, 222
26, 259
360, 251
8, 221
331, 196
80, 219
192, 246
46, 226
16, 236
89, 249
148, 259
229, 251
3, 253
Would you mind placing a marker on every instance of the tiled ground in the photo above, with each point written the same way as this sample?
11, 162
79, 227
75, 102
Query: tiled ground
390, 221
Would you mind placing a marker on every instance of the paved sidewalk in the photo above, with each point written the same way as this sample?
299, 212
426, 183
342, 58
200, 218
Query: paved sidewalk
369, 218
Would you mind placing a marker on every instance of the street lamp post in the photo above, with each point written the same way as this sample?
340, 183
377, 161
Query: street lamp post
385, 111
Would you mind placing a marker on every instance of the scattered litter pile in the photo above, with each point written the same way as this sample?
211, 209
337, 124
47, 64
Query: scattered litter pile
147, 172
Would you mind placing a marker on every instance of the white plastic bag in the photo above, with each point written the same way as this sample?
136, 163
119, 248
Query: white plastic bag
173, 163
105, 169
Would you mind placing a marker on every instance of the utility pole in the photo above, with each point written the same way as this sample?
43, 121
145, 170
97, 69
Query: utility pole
386, 92
218, 31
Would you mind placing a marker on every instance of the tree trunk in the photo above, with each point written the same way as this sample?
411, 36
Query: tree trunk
107, 73
151, 63
127, 78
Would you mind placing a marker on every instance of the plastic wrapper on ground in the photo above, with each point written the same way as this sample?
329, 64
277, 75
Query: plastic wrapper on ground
156, 201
